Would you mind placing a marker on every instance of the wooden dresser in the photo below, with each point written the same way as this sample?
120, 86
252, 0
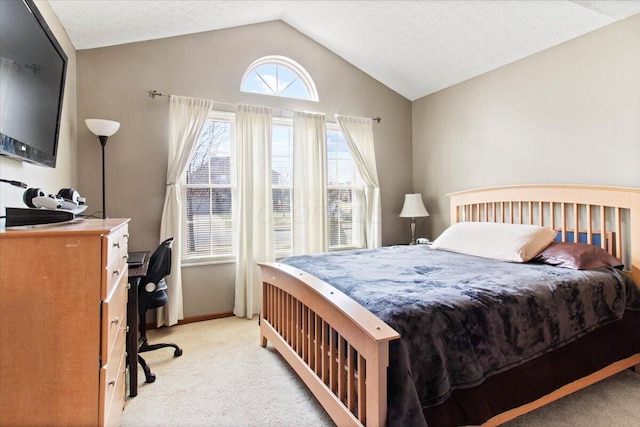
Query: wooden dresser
63, 296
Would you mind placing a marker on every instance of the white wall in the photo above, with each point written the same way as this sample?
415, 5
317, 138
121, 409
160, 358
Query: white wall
64, 175
569, 114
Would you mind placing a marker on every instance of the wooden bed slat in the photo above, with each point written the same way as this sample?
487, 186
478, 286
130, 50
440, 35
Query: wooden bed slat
576, 220
326, 356
619, 249
511, 212
340, 368
541, 213
351, 380
603, 221
362, 404
520, 213
563, 215
589, 226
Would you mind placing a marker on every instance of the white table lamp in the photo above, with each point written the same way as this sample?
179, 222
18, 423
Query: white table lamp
413, 208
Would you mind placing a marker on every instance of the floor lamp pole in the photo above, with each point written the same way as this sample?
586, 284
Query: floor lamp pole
103, 129
103, 142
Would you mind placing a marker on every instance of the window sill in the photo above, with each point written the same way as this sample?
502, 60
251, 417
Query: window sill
207, 261
345, 248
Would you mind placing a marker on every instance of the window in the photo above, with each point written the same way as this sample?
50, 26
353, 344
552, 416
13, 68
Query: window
345, 194
209, 186
282, 187
207, 191
279, 76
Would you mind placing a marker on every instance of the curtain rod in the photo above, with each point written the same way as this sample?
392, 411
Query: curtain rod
153, 93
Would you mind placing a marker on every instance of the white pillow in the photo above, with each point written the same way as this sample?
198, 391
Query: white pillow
502, 242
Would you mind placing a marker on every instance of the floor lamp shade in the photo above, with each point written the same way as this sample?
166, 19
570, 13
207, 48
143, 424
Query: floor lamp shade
413, 208
103, 129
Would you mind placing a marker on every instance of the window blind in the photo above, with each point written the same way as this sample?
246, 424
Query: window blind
345, 195
207, 194
281, 183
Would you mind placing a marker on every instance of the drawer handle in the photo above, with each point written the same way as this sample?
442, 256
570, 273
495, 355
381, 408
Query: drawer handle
116, 244
128, 285
116, 271
112, 382
116, 320
126, 236
125, 257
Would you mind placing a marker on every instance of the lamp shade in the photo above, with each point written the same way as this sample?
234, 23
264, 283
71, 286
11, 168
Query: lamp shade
102, 127
413, 206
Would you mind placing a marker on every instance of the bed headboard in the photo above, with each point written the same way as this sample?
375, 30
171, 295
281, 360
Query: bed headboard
594, 211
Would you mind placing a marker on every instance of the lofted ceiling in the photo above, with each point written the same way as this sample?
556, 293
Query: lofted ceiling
414, 47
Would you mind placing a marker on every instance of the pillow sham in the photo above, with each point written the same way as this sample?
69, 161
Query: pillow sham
502, 242
578, 256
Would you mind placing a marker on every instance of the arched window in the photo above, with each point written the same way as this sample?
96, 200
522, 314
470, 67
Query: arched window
279, 76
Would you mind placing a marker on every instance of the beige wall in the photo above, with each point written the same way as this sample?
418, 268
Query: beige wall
569, 114
113, 84
64, 174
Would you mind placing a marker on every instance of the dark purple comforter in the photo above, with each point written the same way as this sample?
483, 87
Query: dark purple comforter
463, 318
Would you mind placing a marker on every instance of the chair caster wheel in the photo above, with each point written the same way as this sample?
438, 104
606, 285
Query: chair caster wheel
151, 378
177, 353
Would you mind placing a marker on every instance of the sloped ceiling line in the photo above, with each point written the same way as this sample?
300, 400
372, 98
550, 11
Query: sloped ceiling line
413, 47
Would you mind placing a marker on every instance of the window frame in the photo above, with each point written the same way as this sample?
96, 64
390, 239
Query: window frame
283, 122
291, 65
222, 258
230, 117
335, 127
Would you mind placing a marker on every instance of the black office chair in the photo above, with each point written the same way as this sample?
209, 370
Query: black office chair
152, 294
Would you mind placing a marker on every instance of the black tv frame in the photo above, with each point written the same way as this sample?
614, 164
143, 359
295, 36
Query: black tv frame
21, 150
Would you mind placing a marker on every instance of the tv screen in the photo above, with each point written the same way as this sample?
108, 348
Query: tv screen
32, 75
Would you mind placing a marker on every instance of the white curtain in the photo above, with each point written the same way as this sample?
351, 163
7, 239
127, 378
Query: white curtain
187, 116
358, 133
309, 183
254, 208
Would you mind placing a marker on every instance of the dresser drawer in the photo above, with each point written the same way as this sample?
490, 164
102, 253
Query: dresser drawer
114, 318
117, 243
113, 274
113, 385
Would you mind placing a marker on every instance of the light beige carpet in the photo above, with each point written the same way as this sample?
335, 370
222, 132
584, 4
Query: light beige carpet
224, 378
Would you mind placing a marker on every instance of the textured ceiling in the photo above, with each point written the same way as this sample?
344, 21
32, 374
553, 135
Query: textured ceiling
413, 47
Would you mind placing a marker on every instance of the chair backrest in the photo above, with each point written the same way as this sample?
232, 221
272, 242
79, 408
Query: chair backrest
159, 267
160, 263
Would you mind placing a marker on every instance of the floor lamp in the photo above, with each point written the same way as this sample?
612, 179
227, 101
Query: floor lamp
103, 129
413, 208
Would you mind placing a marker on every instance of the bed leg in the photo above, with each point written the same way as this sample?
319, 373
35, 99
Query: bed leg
637, 369
263, 341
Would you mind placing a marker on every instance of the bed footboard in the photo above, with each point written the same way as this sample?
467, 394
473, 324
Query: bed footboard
338, 348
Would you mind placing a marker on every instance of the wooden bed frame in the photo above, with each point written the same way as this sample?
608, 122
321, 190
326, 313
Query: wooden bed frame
341, 350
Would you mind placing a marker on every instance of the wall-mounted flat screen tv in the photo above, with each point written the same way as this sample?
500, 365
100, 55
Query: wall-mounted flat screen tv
32, 75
